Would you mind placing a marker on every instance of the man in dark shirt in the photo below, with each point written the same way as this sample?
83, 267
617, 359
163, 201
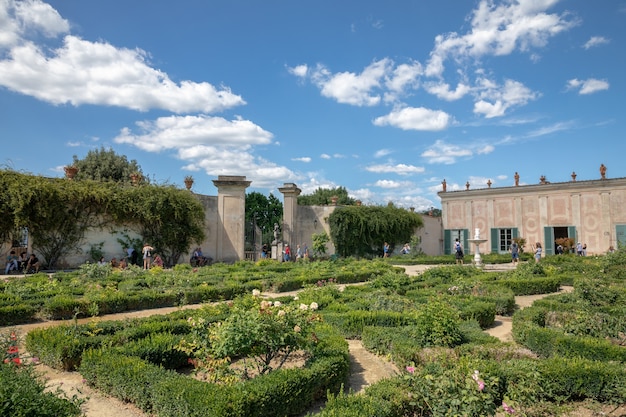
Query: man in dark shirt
33, 264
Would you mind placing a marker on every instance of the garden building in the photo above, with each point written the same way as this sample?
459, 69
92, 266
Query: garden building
591, 212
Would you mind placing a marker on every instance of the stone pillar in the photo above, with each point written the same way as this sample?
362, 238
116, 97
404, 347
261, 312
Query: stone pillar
290, 209
231, 209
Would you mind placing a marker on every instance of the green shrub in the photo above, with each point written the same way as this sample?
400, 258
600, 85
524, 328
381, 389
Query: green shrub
437, 324
23, 394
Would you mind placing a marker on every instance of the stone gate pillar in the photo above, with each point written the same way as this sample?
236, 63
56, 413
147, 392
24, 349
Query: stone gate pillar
231, 209
290, 209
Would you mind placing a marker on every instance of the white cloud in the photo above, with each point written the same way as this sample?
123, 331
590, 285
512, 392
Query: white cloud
325, 156
382, 152
595, 41
403, 77
415, 118
443, 153
499, 29
19, 19
211, 144
400, 169
302, 159
547, 130
236, 160
392, 184
442, 90
485, 149
351, 88
84, 72
494, 100
299, 70
187, 131
588, 86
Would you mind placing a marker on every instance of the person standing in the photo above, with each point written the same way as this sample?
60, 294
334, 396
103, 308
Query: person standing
579, 249
298, 252
147, 255
287, 253
538, 251
514, 252
386, 250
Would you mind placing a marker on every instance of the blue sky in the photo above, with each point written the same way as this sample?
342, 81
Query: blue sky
384, 98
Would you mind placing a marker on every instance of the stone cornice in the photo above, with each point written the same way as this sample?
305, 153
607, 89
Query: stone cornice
605, 185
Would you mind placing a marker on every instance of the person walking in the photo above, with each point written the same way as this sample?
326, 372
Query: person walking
458, 252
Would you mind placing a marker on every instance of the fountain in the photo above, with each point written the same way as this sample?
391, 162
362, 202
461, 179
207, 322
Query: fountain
477, 241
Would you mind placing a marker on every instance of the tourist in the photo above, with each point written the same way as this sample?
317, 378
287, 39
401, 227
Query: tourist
584, 249
11, 262
514, 248
298, 253
114, 263
123, 263
32, 266
102, 261
147, 255
406, 249
579, 249
458, 252
287, 253
537, 251
157, 261
386, 250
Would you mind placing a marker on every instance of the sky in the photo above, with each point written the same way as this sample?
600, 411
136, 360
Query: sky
384, 98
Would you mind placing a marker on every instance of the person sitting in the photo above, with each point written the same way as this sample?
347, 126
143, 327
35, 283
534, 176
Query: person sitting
198, 258
22, 261
123, 263
102, 261
406, 249
12, 264
157, 261
32, 266
114, 263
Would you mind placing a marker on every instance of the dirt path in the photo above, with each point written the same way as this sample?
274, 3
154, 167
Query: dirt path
365, 367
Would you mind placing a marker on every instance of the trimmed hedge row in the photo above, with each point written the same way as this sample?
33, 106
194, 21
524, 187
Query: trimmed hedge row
166, 393
528, 330
94, 290
528, 382
23, 394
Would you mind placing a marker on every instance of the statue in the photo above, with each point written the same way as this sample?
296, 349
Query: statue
444, 185
276, 230
603, 171
516, 176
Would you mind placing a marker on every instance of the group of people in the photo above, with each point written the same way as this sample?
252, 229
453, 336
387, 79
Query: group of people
198, 258
25, 264
302, 252
131, 258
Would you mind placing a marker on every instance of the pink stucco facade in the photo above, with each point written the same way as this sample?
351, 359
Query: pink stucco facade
592, 212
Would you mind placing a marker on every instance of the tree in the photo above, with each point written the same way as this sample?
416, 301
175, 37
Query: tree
264, 212
362, 230
58, 212
168, 218
322, 196
105, 165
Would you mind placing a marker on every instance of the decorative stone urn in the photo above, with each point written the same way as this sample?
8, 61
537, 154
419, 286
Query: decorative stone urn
70, 171
188, 182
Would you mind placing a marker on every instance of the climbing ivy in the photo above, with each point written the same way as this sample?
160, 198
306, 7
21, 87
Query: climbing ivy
58, 212
362, 230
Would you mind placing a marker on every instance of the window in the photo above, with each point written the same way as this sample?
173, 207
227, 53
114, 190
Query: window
506, 237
